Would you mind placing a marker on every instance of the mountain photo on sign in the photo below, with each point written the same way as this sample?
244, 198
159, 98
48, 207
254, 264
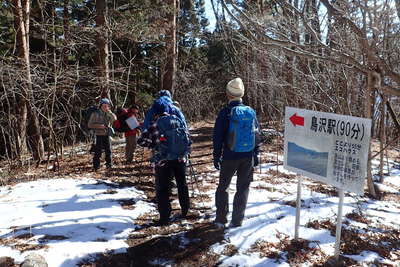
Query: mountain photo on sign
307, 160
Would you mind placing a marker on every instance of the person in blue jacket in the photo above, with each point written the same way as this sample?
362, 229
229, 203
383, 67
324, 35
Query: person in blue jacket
169, 159
164, 98
230, 162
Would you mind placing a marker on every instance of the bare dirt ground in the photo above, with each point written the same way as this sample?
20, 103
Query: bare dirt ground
148, 241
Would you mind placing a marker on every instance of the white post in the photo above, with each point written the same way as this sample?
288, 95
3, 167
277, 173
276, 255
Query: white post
339, 225
298, 206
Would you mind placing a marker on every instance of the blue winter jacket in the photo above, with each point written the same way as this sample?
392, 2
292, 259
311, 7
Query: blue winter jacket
221, 132
164, 98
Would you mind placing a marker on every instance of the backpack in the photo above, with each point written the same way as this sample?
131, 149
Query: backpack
174, 138
242, 129
123, 125
86, 113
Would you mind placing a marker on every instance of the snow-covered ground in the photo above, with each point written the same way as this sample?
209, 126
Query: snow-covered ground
76, 218
268, 217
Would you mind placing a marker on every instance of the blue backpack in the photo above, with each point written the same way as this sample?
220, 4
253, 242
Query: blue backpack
242, 129
174, 138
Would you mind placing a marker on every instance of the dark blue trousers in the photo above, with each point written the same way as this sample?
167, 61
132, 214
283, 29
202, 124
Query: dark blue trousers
164, 175
102, 143
244, 169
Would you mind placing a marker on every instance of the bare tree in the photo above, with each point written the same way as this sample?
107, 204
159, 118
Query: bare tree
102, 46
169, 73
26, 108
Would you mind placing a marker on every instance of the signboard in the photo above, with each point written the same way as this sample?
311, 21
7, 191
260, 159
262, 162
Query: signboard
132, 122
327, 147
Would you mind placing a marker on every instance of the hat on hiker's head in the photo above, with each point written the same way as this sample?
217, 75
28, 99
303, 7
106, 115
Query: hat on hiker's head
134, 106
121, 111
235, 88
164, 93
161, 108
105, 101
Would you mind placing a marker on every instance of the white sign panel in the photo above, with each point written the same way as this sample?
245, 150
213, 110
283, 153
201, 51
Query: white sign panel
327, 147
132, 122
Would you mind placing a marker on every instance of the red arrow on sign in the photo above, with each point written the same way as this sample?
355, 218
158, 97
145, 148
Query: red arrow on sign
297, 120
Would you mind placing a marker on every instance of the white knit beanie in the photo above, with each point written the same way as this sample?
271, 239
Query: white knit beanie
235, 87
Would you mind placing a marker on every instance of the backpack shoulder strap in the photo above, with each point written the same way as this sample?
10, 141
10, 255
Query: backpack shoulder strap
161, 121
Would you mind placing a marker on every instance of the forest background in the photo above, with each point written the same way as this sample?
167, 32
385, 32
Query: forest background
59, 57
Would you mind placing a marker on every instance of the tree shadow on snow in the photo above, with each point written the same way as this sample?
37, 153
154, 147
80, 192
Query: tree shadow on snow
181, 249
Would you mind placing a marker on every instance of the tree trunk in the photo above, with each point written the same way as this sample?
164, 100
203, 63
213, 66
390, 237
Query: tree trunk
21, 101
382, 134
168, 80
368, 115
36, 137
64, 56
21, 22
102, 47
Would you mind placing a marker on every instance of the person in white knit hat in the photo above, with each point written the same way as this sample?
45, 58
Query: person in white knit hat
235, 150
235, 88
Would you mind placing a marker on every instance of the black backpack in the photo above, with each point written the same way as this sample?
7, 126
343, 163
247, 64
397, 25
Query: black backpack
86, 113
122, 120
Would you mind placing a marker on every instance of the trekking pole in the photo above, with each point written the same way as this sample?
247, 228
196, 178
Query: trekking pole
141, 165
194, 177
191, 176
142, 159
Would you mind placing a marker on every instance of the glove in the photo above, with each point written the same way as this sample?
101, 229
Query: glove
217, 163
110, 131
255, 160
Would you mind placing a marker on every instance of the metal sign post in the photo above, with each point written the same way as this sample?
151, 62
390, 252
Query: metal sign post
339, 224
298, 207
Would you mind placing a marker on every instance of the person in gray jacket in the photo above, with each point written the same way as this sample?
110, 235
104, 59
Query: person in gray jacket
101, 121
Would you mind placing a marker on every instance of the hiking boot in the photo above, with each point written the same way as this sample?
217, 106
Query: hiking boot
184, 213
179, 216
162, 222
234, 225
218, 224
221, 220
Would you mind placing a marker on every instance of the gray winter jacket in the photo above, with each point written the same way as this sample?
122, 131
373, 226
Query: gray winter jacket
100, 118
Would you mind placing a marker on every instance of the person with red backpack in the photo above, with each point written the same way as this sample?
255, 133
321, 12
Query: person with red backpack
127, 123
236, 149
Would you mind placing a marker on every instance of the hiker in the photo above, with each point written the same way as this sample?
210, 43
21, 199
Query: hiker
169, 139
127, 123
235, 150
101, 121
164, 97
